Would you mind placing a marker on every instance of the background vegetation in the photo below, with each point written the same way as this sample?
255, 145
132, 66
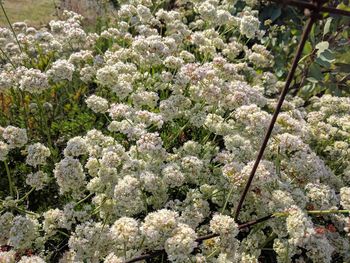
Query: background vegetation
34, 12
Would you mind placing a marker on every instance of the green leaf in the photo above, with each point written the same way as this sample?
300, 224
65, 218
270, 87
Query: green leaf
307, 90
276, 14
321, 47
333, 88
312, 80
307, 48
312, 34
342, 6
294, 31
323, 63
327, 55
325, 58
315, 72
327, 26
342, 67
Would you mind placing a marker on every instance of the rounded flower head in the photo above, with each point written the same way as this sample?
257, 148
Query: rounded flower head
181, 244
129, 196
224, 225
61, 70
125, 231
37, 180
15, 137
90, 242
37, 154
23, 232
52, 220
149, 143
97, 104
158, 226
111, 258
249, 25
69, 175
6, 221
34, 81
299, 226
75, 147
345, 197
172, 175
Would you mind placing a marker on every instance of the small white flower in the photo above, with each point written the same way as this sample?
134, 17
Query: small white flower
61, 70
97, 104
37, 154
31, 259
34, 81
23, 232
224, 225
69, 175
75, 147
4, 150
249, 25
15, 137
37, 180
181, 244
158, 226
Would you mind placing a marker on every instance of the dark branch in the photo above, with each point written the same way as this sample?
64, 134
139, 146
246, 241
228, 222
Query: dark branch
313, 7
285, 90
200, 239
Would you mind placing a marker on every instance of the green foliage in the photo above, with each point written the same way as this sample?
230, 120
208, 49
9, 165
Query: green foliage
324, 67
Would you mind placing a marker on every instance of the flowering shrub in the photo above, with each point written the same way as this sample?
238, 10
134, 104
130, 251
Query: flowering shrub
142, 137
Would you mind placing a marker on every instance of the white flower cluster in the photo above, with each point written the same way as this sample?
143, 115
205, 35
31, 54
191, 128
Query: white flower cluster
37, 154
14, 137
61, 70
4, 150
181, 244
70, 175
23, 232
37, 180
177, 107
97, 104
33, 81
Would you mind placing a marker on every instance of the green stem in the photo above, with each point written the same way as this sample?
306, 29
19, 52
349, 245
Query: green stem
206, 138
9, 178
8, 21
8, 58
268, 240
172, 140
142, 241
314, 212
84, 199
45, 128
108, 120
226, 201
63, 233
26, 116
25, 211
26, 195
212, 253
124, 250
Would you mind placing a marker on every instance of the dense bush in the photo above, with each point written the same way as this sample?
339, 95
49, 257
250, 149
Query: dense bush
142, 137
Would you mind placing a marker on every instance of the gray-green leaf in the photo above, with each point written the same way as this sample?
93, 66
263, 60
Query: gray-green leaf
322, 46
327, 26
